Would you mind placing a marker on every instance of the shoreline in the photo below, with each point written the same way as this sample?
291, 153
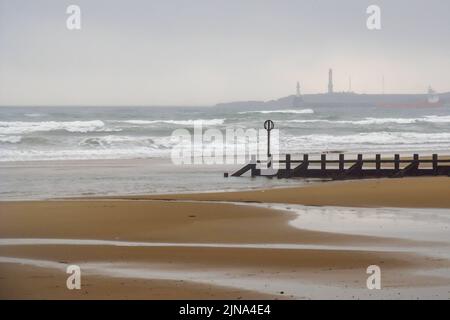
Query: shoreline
61, 179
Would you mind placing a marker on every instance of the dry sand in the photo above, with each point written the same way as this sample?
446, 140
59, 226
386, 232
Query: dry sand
229, 272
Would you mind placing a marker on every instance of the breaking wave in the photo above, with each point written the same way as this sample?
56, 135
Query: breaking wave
293, 111
379, 141
124, 141
10, 139
205, 122
23, 127
369, 121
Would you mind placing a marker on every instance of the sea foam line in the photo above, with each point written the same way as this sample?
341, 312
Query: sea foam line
369, 120
116, 243
206, 122
294, 111
21, 127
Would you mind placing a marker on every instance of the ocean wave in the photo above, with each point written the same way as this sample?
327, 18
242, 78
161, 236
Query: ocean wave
437, 119
293, 111
372, 138
21, 127
10, 139
117, 141
82, 154
133, 147
205, 122
34, 115
369, 120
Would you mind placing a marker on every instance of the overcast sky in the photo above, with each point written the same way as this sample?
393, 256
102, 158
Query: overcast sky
200, 52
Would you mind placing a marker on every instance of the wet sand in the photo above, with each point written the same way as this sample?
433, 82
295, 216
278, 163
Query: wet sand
334, 267
424, 192
27, 282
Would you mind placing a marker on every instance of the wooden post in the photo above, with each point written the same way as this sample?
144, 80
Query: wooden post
360, 161
435, 164
288, 165
323, 162
253, 170
397, 162
416, 160
378, 163
341, 162
305, 158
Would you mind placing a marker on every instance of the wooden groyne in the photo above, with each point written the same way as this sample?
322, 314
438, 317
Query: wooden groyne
344, 168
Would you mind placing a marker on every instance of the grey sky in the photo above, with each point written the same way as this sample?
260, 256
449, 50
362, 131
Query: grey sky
201, 52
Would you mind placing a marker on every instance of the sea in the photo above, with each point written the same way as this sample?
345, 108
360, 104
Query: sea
54, 152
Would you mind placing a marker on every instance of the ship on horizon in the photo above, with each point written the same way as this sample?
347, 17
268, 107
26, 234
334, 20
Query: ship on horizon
432, 100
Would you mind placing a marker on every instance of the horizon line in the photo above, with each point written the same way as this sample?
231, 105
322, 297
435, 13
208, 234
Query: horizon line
203, 105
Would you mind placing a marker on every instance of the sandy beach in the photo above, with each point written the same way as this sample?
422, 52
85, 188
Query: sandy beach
198, 246
224, 150
406, 193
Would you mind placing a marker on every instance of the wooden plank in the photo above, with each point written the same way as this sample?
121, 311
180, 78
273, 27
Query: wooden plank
301, 167
410, 169
355, 169
243, 170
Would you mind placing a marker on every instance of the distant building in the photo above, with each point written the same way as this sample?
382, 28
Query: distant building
297, 100
330, 81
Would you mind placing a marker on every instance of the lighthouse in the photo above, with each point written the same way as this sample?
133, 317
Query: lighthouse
330, 81
297, 100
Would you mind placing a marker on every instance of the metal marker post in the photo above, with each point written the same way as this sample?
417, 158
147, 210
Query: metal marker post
269, 125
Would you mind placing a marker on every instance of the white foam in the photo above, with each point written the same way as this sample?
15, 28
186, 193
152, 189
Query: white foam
138, 147
22, 127
10, 139
370, 121
136, 152
114, 243
111, 141
204, 122
364, 140
34, 115
293, 111
438, 119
